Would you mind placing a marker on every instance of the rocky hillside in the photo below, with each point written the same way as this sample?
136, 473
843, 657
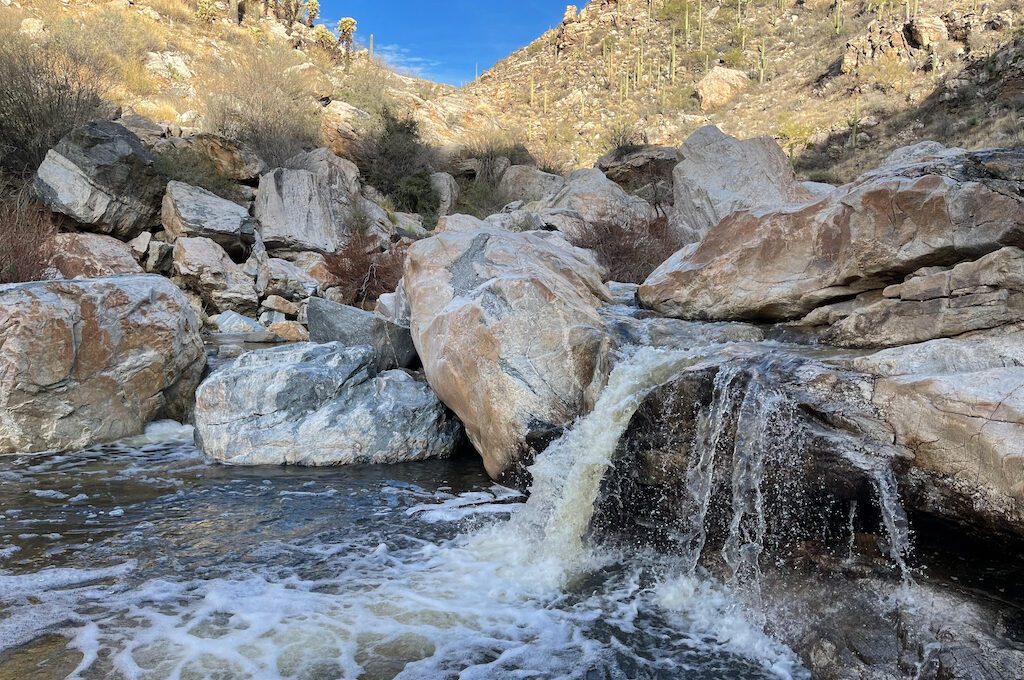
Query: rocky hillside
839, 84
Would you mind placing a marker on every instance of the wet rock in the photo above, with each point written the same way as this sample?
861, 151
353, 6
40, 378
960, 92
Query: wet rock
331, 322
719, 87
509, 334
93, 360
92, 256
103, 177
192, 211
206, 270
319, 405
718, 175
781, 264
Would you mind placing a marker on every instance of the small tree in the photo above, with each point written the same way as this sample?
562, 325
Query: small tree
312, 11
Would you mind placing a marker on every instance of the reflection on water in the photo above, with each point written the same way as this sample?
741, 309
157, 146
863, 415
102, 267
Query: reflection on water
142, 560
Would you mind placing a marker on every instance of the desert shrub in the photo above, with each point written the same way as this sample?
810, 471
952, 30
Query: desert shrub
630, 255
623, 139
364, 85
365, 271
491, 146
45, 92
396, 162
26, 235
480, 198
260, 99
192, 167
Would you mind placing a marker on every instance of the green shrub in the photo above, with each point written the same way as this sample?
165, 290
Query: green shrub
396, 162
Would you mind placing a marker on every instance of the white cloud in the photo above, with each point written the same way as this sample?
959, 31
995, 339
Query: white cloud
402, 59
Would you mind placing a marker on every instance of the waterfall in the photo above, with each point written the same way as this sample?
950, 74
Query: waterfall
548, 533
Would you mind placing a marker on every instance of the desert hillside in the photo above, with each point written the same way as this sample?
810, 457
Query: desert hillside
839, 83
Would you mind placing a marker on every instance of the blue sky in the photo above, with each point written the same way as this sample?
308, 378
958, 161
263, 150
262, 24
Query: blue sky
444, 40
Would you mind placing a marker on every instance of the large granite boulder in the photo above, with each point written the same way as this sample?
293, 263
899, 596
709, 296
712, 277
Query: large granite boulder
779, 264
205, 269
313, 204
192, 211
93, 360
447, 190
289, 281
327, 404
508, 331
598, 200
232, 159
332, 322
718, 175
103, 177
528, 183
719, 87
92, 256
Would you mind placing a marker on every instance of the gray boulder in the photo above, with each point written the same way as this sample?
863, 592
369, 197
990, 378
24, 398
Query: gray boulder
192, 211
331, 322
317, 405
103, 177
527, 183
205, 269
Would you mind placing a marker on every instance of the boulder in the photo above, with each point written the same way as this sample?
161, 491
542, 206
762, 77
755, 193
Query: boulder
926, 31
288, 281
235, 323
192, 211
312, 205
780, 264
232, 158
634, 168
527, 183
971, 296
508, 330
276, 303
289, 331
91, 256
718, 175
340, 125
205, 269
159, 258
719, 87
331, 322
319, 405
598, 200
316, 266
94, 360
102, 176
966, 431
447, 190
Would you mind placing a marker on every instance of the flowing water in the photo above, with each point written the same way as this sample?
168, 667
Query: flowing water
142, 560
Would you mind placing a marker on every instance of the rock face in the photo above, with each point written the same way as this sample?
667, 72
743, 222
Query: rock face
310, 204
939, 303
331, 322
102, 176
92, 256
719, 87
319, 405
527, 183
93, 360
507, 328
447, 190
598, 200
191, 211
643, 170
781, 264
207, 270
718, 174
232, 159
